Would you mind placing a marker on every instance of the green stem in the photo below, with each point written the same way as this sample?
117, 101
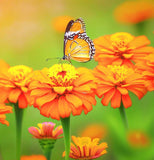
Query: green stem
140, 28
67, 139
47, 153
19, 117
123, 115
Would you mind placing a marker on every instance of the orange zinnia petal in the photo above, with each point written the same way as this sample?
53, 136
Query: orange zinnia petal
74, 100
126, 101
89, 98
45, 98
103, 41
139, 93
2, 119
107, 97
14, 95
102, 89
22, 101
63, 108
82, 88
116, 100
50, 109
138, 42
39, 92
82, 80
87, 106
59, 90
4, 94
122, 90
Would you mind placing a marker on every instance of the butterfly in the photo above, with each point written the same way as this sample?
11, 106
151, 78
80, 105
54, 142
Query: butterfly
77, 45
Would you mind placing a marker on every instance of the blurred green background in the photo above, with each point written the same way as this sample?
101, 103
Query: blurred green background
27, 37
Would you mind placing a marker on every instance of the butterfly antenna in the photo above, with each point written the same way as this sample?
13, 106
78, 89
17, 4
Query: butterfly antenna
52, 58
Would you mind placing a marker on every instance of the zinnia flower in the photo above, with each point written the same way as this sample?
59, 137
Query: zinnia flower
62, 90
121, 48
4, 110
133, 12
47, 136
14, 85
46, 131
146, 67
115, 82
94, 131
33, 157
60, 23
85, 148
138, 139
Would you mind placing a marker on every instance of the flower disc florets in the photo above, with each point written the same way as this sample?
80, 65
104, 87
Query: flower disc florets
120, 40
120, 73
19, 73
62, 74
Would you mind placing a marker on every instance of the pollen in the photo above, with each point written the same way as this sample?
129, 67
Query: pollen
120, 73
62, 74
19, 72
120, 40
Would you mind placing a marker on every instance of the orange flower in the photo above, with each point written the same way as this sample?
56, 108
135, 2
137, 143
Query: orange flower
114, 82
4, 66
60, 23
62, 90
121, 48
46, 131
33, 157
14, 85
147, 69
84, 148
138, 139
4, 110
133, 12
94, 131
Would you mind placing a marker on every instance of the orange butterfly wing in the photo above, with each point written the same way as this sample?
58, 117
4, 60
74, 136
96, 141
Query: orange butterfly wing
78, 25
78, 50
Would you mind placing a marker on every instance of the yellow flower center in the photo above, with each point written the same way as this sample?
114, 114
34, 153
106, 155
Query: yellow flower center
85, 141
119, 73
19, 72
120, 40
62, 74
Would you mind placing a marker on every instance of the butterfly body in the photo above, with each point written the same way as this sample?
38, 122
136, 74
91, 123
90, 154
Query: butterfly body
77, 45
